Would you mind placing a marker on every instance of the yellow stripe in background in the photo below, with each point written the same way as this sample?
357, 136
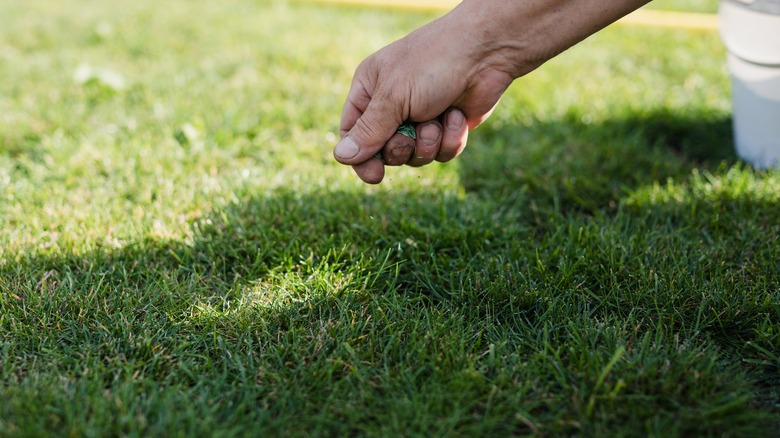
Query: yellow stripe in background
642, 17
679, 20
430, 5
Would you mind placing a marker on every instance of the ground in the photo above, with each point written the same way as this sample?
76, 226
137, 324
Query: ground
180, 255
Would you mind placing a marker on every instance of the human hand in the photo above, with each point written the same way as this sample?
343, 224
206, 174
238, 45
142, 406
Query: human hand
441, 77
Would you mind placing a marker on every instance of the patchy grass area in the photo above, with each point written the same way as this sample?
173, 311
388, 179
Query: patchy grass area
179, 254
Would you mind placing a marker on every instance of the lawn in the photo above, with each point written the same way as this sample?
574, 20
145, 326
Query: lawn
181, 256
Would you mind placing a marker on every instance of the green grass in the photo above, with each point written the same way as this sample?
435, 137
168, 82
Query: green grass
179, 254
705, 6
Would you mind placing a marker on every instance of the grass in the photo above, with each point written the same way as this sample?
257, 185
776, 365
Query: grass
706, 6
179, 254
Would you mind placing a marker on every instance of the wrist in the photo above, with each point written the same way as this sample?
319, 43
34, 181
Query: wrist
517, 36
508, 36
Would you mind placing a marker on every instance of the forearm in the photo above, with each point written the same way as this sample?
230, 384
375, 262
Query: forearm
520, 35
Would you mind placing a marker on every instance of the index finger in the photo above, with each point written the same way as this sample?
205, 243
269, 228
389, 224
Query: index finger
356, 104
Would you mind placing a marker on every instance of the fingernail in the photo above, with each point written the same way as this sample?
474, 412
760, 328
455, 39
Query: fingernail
346, 148
429, 134
402, 151
454, 120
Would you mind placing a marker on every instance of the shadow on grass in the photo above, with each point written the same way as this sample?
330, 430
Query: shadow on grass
522, 177
350, 309
566, 166
263, 252
589, 166
281, 310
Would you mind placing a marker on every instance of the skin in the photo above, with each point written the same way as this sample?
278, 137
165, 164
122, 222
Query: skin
449, 75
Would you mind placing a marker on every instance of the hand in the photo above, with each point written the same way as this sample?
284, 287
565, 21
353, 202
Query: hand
439, 76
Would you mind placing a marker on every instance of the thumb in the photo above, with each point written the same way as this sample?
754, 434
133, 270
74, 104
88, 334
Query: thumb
369, 133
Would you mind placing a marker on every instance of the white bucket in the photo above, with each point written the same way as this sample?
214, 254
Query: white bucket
750, 29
